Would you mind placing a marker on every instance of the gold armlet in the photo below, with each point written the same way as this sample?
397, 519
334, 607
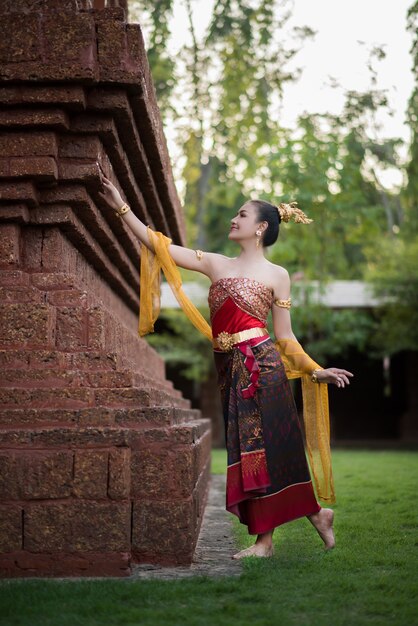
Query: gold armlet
123, 209
199, 254
284, 304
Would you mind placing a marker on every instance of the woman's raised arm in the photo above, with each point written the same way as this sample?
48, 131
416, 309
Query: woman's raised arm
183, 257
283, 331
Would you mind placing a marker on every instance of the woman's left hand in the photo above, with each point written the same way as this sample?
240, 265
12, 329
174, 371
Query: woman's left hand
110, 193
334, 376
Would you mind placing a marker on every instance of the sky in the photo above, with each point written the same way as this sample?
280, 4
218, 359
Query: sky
345, 33
335, 52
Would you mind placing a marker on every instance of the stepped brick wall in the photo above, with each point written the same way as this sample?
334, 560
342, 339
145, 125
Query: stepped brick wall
103, 464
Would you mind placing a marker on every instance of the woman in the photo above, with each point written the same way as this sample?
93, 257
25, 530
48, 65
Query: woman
268, 480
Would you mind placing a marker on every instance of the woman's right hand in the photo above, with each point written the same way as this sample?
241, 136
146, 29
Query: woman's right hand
334, 376
110, 194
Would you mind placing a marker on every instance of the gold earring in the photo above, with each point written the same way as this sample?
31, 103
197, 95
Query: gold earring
258, 235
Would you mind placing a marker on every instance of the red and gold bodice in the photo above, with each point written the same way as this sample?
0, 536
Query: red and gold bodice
238, 303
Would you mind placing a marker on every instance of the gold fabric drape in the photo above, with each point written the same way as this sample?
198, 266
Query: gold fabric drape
149, 304
315, 415
297, 363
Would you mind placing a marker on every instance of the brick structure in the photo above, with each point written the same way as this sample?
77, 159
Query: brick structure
103, 464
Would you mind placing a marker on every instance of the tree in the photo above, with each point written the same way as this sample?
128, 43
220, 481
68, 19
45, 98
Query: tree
394, 261
395, 279
226, 105
411, 190
224, 102
154, 17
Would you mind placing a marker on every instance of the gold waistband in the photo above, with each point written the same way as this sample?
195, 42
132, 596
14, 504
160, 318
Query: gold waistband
226, 341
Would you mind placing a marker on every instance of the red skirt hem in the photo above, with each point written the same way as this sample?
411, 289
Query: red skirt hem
264, 513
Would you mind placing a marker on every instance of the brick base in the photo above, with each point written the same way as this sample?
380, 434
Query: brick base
102, 462
24, 564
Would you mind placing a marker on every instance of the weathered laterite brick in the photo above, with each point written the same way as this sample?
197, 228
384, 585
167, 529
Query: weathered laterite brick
22, 43
53, 119
99, 454
10, 528
119, 474
22, 324
19, 191
15, 144
10, 245
38, 168
77, 526
71, 97
170, 517
71, 328
90, 474
79, 147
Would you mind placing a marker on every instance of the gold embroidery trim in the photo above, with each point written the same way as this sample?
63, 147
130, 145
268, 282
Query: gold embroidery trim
226, 341
284, 304
252, 462
250, 296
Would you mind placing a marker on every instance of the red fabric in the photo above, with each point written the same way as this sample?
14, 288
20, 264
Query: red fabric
230, 319
252, 366
254, 472
270, 483
264, 513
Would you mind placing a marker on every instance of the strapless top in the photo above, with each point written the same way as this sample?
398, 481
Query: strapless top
251, 296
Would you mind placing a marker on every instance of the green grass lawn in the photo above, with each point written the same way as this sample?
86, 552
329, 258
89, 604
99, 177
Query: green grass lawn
370, 577
218, 461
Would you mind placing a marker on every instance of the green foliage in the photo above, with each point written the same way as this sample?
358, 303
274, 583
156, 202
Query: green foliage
411, 190
234, 79
394, 275
222, 93
182, 345
348, 328
246, 37
393, 257
314, 325
154, 17
323, 167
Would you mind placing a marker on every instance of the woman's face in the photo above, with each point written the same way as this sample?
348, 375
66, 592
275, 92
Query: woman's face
245, 223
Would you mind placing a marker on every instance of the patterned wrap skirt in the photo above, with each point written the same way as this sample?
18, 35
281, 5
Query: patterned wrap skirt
265, 423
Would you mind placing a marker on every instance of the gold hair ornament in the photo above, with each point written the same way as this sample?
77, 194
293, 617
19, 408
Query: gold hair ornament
291, 211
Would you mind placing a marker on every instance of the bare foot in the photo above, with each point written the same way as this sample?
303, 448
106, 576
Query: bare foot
323, 521
258, 549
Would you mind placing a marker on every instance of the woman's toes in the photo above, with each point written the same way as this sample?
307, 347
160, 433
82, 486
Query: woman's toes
255, 550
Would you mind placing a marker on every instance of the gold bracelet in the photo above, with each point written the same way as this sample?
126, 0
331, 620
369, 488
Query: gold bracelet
284, 304
123, 209
314, 376
199, 254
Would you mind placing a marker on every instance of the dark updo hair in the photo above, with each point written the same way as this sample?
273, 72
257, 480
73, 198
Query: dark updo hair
268, 213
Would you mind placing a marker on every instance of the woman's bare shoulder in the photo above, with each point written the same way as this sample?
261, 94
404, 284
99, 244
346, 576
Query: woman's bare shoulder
280, 281
277, 272
218, 262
